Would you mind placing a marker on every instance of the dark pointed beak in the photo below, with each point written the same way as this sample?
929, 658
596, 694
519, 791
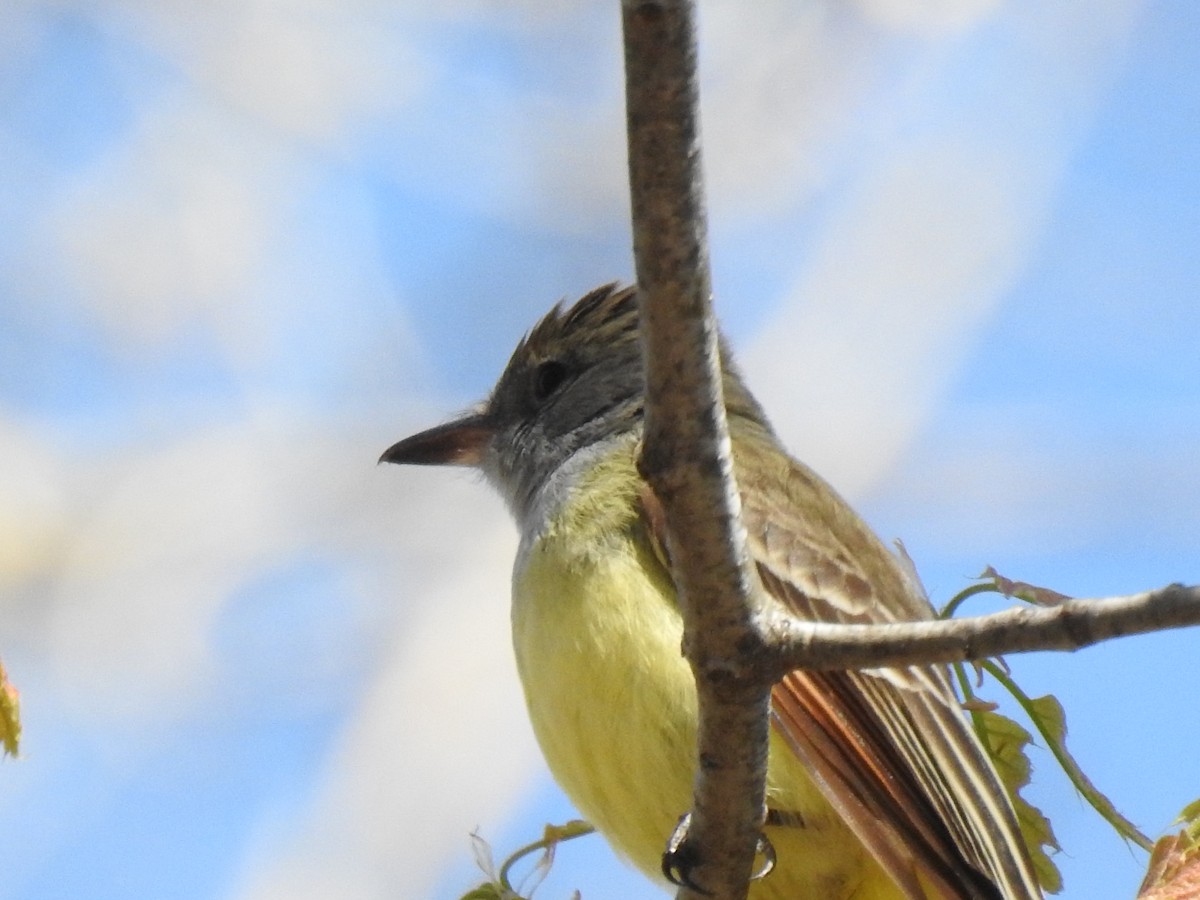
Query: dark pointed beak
458, 443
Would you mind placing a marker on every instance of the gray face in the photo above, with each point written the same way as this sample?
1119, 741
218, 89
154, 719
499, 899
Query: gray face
573, 385
577, 380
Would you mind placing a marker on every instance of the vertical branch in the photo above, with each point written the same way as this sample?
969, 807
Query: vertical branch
686, 456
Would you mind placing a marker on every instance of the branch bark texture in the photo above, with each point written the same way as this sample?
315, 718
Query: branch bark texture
789, 643
686, 455
687, 461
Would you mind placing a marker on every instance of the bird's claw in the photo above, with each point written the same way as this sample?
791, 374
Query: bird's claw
766, 850
681, 857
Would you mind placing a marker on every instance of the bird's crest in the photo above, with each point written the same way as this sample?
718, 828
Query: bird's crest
608, 315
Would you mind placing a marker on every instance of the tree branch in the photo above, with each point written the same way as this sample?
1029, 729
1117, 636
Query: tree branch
686, 451
789, 643
686, 460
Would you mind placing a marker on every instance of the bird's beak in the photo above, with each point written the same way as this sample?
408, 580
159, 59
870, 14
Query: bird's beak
458, 443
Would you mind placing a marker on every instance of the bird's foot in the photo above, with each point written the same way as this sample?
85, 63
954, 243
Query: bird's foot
682, 856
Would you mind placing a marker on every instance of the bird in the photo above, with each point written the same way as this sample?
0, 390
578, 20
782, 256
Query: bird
877, 787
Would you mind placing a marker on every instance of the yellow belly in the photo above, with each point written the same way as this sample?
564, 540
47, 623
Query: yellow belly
597, 638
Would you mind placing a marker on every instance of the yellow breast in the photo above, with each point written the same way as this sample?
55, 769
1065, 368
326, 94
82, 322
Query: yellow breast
597, 639
597, 636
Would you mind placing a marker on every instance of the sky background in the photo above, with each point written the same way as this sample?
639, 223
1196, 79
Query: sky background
247, 245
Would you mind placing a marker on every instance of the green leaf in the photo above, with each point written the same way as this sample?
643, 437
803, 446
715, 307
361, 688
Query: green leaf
1006, 742
487, 892
552, 836
568, 831
1189, 818
1047, 716
498, 886
10, 715
494, 888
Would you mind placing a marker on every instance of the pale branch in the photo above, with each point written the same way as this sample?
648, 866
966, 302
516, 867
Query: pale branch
789, 643
686, 452
686, 460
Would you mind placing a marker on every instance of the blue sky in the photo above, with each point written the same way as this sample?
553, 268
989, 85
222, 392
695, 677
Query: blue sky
245, 246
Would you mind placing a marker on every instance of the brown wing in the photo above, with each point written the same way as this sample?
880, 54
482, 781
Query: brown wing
890, 748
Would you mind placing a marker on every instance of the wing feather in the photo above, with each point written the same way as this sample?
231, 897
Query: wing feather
890, 748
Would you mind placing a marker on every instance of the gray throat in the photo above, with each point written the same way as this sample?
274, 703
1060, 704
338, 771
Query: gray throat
534, 509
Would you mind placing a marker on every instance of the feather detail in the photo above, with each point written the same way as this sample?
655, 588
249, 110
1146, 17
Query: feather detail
889, 748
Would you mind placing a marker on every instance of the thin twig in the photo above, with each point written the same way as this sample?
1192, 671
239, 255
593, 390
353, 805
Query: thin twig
791, 644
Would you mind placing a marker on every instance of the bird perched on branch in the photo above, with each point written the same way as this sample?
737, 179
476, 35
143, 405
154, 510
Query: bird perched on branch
877, 788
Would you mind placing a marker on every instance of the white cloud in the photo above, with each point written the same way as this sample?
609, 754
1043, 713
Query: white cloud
903, 278
783, 85
1037, 480
137, 551
172, 229
316, 71
180, 224
920, 248
163, 538
439, 743
34, 506
928, 17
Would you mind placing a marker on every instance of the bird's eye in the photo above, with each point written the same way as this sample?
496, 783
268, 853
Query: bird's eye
548, 378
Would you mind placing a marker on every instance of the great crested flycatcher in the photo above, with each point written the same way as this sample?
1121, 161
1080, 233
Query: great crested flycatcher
877, 788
